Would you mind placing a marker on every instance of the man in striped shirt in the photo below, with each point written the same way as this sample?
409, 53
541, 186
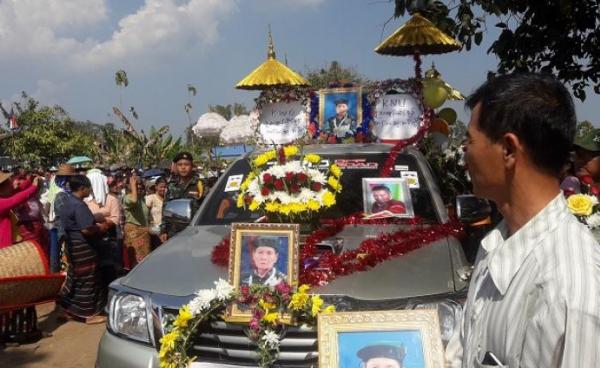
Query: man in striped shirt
534, 298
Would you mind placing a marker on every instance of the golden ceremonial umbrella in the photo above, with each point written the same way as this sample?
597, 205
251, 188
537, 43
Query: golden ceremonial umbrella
271, 74
433, 74
417, 37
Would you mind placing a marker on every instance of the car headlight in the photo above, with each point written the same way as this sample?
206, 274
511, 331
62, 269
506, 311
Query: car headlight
449, 313
127, 316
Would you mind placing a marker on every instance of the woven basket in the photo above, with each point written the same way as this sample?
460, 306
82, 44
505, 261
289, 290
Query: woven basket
24, 276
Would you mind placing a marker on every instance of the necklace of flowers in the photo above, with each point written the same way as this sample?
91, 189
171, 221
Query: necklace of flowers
270, 306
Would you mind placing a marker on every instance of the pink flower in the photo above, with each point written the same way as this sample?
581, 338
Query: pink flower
283, 288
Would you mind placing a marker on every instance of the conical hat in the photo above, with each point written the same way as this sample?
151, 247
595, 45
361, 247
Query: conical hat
417, 35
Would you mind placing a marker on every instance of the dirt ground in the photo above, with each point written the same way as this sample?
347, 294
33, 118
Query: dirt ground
70, 344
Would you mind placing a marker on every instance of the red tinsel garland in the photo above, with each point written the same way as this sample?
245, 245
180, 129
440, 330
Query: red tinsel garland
319, 270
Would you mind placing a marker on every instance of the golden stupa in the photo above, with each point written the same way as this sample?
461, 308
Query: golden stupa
271, 74
417, 36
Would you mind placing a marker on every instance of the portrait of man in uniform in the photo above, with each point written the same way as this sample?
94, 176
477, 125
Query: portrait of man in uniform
264, 256
340, 111
387, 197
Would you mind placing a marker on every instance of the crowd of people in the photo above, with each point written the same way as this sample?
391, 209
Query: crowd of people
95, 224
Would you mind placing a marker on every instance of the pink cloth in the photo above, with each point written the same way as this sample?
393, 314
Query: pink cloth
6, 204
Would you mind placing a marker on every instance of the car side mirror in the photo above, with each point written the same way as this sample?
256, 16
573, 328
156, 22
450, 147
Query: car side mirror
178, 210
471, 209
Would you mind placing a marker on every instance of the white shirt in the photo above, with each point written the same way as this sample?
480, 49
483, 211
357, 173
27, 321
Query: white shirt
534, 298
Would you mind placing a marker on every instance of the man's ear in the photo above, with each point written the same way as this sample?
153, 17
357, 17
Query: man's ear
511, 149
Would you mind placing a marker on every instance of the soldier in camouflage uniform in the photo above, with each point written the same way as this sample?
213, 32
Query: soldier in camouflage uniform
185, 184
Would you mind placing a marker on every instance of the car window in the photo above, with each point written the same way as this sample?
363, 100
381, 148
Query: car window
222, 208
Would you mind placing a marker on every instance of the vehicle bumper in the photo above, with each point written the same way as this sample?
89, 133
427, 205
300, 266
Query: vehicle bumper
115, 352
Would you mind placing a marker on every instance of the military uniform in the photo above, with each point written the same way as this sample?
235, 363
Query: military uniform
340, 127
192, 188
271, 279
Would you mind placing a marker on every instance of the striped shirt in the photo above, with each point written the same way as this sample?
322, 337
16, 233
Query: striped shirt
534, 297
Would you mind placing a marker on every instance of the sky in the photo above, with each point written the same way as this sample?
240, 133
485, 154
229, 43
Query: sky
66, 52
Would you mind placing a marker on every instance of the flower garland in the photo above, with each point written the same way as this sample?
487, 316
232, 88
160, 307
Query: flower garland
289, 190
320, 270
269, 306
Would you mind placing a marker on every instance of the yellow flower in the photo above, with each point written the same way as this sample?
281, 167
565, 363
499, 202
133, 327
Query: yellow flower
328, 199
254, 205
580, 204
330, 309
317, 303
312, 158
240, 200
290, 151
333, 183
272, 207
335, 170
271, 155
266, 305
303, 288
262, 159
270, 317
167, 342
167, 364
183, 317
247, 182
285, 209
313, 205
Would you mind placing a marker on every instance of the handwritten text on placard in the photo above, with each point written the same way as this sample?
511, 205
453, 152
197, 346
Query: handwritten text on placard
397, 116
282, 122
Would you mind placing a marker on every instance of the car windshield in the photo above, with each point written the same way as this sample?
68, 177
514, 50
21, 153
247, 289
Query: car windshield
222, 208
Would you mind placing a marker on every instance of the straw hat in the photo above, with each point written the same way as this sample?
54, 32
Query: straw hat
66, 170
4, 177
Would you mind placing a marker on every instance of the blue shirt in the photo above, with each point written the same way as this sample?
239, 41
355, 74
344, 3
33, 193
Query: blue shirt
74, 216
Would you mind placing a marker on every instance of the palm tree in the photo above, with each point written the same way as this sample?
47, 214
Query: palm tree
121, 81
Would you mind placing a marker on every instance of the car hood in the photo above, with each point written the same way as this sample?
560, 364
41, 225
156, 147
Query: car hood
183, 265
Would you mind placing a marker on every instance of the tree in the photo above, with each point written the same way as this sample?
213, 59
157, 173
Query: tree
335, 73
121, 81
47, 135
584, 127
228, 111
555, 36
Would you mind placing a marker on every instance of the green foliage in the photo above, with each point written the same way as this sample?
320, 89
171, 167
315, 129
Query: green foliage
121, 79
228, 111
335, 73
584, 127
554, 36
47, 135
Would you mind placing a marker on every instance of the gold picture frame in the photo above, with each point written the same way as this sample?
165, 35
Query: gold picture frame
245, 238
327, 105
347, 338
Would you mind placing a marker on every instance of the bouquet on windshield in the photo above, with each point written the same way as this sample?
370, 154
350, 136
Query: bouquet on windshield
290, 187
585, 205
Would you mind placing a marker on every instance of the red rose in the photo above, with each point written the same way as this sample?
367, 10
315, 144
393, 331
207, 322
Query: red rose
594, 190
289, 176
248, 199
587, 180
295, 188
278, 184
332, 139
267, 178
316, 187
281, 156
568, 192
302, 177
265, 191
359, 138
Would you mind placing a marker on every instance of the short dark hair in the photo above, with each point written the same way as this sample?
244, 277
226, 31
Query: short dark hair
537, 108
381, 187
161, 179
77, 182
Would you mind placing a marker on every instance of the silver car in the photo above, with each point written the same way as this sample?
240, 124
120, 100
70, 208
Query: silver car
143, 301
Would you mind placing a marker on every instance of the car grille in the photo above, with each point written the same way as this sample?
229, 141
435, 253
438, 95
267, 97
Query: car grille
226, 343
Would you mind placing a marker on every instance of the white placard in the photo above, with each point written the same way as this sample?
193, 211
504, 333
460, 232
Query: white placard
412, 178
233, 183
283, 122
397, 116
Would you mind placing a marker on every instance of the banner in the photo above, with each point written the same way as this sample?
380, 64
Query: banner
282, 122
397, 116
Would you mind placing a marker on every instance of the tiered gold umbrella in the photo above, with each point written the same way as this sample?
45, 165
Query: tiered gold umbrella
417, 37
271, 74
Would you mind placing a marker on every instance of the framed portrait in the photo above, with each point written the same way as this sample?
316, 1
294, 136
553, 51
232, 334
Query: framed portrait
340, 111
396, 339
261, 254
387, 197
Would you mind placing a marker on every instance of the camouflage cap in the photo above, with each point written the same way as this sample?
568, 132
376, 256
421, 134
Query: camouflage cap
265, 241
589, 141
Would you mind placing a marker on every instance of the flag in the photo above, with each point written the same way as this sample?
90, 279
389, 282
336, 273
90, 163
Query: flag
12, 121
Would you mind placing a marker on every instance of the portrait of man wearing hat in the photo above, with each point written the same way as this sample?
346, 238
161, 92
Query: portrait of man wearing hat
382, 356
264, 258
342, 123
